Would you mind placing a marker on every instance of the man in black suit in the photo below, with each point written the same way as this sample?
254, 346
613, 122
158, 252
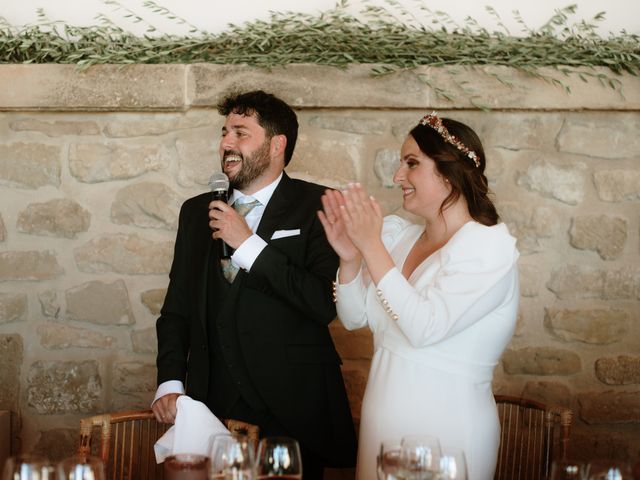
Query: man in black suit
257, 347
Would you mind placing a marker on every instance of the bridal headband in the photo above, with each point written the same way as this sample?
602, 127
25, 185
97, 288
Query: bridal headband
432, 120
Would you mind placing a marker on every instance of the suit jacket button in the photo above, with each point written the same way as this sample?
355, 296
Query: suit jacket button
204, 347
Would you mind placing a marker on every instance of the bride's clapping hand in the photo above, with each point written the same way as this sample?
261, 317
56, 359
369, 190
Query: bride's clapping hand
333, 224
362, 217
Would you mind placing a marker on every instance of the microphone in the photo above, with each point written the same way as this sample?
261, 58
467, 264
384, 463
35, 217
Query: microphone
219, 185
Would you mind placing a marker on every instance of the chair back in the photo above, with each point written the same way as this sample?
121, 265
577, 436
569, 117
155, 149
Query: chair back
124, 441
532, 436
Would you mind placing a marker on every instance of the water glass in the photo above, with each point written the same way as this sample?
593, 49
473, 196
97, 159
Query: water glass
453, 465
609, 470
81, 467
279, 458
26, 467
419, 457
232, 458
388, 460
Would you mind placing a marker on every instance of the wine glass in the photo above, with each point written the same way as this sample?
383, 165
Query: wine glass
453, 465
419, 457
81, 467
609, 470
568, 470
232, 457
388, 460
279, 458
25, 467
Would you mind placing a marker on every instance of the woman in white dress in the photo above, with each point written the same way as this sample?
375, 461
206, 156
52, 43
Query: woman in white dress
441, 298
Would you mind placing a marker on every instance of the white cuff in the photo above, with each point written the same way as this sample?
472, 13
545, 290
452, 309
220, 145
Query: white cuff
248, 251
170, 386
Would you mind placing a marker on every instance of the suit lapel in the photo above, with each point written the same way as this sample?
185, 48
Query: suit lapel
277, 209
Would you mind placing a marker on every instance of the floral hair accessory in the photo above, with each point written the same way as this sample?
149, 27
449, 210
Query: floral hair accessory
432, 120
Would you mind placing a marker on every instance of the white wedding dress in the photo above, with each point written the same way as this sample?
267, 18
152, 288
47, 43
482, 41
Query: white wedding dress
437, 338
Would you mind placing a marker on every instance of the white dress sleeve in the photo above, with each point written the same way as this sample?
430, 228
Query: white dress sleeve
351, 297
476, 274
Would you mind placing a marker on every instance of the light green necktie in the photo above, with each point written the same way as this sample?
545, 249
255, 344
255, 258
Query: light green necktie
229, 270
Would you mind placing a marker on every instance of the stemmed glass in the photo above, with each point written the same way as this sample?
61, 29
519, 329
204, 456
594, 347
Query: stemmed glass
81, 467
419, 457
232, 458
609, 470
26, 467
388, 460
453, 465
279, 458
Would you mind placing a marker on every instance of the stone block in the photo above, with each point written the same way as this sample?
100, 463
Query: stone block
596, 326
147, 205
100, 303
56, 128
198, 158
57, 444
603, 233
11, 357
540, 361
618, 184
97, 162
576, 281
153, 299
565, 183
64, 387
29, 165
60, 217
549, 393
13, 307
121, 253
145, 341
611, 407
49, 303
340, 160
622, 284
587, 443
518, 130
617, 135
529, 224
31, 265
352, 345
158, 125
620, 370
385, 165
58, 336
131, 377
530, 280
349, 124
3, 230
99, 88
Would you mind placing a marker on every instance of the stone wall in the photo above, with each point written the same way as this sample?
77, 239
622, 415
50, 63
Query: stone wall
94, 166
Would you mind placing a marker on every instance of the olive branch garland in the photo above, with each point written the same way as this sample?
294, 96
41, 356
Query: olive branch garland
391, 38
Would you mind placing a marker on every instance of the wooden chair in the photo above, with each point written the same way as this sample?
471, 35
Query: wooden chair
124, 441
533, 435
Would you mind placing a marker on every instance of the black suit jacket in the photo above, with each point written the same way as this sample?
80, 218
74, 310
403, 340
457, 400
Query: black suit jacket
281, 310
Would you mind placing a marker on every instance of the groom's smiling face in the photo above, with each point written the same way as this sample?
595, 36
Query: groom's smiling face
244, 150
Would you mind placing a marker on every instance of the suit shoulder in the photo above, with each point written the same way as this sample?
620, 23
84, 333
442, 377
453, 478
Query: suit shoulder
308, 188
197, 201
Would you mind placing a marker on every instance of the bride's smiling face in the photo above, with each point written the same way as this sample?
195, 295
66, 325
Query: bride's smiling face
423, 188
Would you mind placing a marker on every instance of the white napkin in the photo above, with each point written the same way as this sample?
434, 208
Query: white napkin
191, 431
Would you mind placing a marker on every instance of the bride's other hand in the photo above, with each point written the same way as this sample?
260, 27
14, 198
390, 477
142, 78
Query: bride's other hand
334, 227
362, 217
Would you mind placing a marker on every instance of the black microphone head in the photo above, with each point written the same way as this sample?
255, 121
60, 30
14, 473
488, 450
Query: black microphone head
219, 182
